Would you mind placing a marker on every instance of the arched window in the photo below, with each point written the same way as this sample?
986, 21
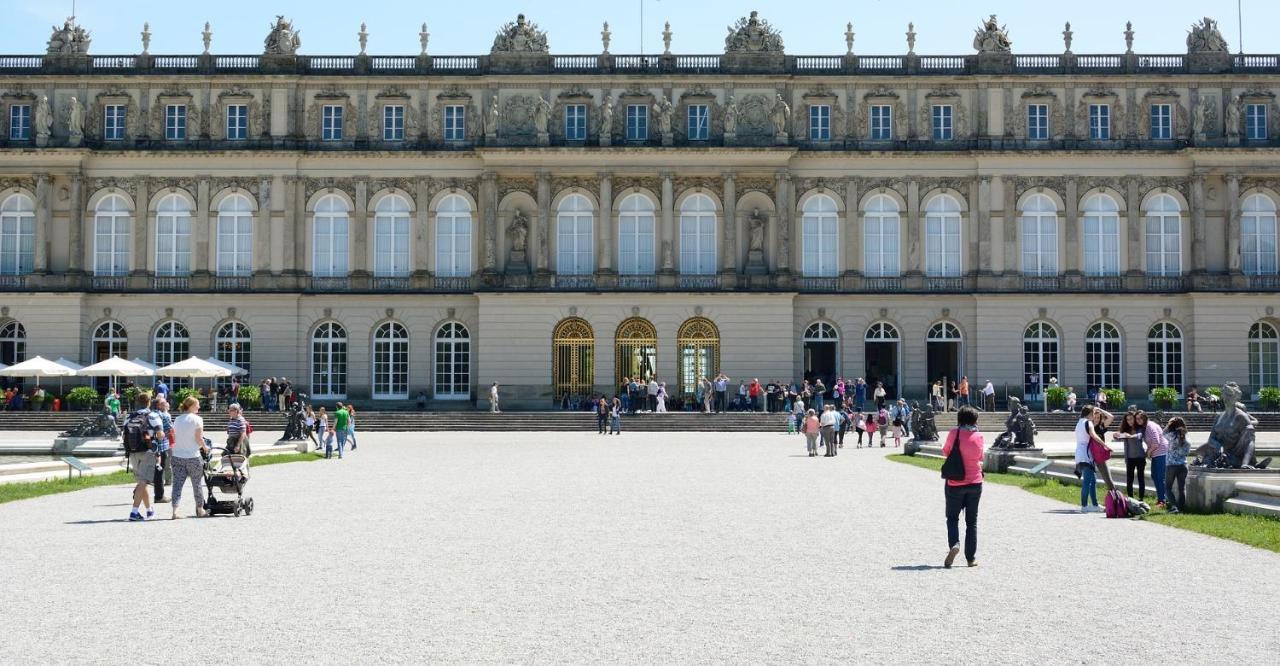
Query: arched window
110, 339
821, 332
882, 331
1164, 357
235, 236
329, 361
1264, 356
635, 235
1101, 235
698, 348
1039, 358
880, 232
233, 345
329, 256
698, 235
390, 362
1164, 236
944, 331
1039, 236
453, 362
13, 343
173, 236
453, 237
391, 237
111, 236
575, 253
635, 349
819, 237
1102, 358
17, 234
171, 344
942, 237
1258, 235
573, 358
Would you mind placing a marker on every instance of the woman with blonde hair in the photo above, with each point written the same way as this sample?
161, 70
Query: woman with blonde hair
812, 428
187, 458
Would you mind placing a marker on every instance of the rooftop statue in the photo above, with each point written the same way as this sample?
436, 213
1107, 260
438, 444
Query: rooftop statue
992, 37
70, 39
522, 36
752, 35
1204, 37
283, 39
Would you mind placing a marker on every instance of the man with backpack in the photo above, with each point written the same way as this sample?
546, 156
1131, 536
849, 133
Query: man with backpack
142, 431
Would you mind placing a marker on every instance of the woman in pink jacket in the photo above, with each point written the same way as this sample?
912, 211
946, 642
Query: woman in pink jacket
963, 494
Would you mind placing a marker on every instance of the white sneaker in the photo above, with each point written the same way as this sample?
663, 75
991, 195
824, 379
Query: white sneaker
1085, 509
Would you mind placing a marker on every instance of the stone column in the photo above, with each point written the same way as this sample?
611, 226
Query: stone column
668, 242
140, 260
1010, 225
542, 224
1071, 229
729, 258
359, 248
852, 255
75, 257
489, 215
979, 259
44, 218
914, 264
1198, 263
421, 249
1232, 223
1133, 230
204, 243
605, 246
293, 228
782, 211
262, 225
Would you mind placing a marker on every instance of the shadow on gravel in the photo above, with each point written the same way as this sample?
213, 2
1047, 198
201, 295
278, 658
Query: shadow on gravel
916, 567
107, 522
1064, 512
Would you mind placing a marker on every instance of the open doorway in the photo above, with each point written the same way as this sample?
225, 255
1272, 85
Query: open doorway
881, 357
821, 354
943, 354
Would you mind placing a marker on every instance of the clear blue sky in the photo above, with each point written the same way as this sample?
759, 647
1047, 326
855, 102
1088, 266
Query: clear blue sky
573, 26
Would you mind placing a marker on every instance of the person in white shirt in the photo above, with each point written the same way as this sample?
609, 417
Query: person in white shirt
652, 389
188, 454
493, 398
828, 423
1071, 399
989, 397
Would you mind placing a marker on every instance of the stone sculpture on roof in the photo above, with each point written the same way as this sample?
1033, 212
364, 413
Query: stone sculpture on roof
70, 39
752, 35
283, 39
521, 36
992, 37
1204, 37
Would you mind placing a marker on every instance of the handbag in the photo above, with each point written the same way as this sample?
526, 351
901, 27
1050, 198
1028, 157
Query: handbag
1099, 452
953, 466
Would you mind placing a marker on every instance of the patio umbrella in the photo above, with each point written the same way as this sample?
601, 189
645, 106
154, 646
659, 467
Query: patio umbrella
70, 364
115, 367
150, 366
234, 370
37, 367
194, 367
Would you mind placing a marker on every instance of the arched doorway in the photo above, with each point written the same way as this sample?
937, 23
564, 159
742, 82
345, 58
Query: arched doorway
943, 353
109, 339
698, 342
329, 362
635, 350
573, 349
452, 362
821, 353
882, 361
1039, 358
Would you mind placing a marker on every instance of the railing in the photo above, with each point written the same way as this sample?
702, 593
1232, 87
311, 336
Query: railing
237, 62
882, 284
331, 62
881, 62
21, 62
460, 283
1041, 283
819, 284
1256, 61
1166, 283
819, 63
392, 63
942, 62
113, 62
13, 282
635, 62
455, 62
175, 62
698, 282
686, 63
1160, 62
1264, 282
330, 283
637, 282
1103, 283
171, 283
1099, 62
1037, 62
231, 282
574, 62
108, 282
573, 282
944, 283
392, 283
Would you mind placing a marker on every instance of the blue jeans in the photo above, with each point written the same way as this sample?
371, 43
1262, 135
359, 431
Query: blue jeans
1089, 485
342, 441
1157, 476
615, 424
817, 402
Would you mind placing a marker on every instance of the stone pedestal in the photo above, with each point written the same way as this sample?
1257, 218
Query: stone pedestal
74, 140
999, 460
1209, 489
85, 446
755, 263
606, 140
781, 138
518, 263
544, 139
730, 138
302, 445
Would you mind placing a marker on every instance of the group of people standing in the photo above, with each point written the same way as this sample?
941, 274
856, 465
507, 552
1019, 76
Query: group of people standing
891, 421
1143, 440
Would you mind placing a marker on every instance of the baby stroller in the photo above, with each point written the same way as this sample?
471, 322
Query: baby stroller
229, 475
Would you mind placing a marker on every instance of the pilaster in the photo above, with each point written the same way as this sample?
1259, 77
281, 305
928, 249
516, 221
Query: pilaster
44, 218
1232, 224
543, 222
1071, 228
75, 254
358, 254
1132, 231
667, 246
605, 246
913, 264
139, 260
852, 229
1198, 263
203, 230
489, 218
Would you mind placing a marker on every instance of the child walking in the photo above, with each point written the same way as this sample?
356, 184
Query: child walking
326, 433
871, 431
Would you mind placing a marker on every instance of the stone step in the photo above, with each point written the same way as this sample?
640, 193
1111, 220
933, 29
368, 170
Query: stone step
1253, 504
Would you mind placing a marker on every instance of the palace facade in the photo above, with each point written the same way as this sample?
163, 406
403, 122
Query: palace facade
376, 226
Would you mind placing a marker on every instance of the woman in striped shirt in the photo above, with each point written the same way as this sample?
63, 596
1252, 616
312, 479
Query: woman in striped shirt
237, 438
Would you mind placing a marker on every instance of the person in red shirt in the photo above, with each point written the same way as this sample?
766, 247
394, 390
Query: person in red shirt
963, 390
963, 494
754, 391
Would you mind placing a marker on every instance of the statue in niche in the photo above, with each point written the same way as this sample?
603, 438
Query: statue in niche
780, 115
606, 116
43, 118
518, 230
756, 228
731, 116
491, 116
1201, 114
541, 115
665, 111
1232, 117
75, 121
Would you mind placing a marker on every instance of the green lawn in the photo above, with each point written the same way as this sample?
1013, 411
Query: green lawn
12, 492
1257, 531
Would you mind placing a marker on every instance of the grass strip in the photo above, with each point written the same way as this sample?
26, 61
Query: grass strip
1257, 531
12, 492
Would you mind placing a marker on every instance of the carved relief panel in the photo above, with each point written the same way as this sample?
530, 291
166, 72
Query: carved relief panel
159, 109
1163, 95
315, 114
959, 116
1015, 125
236, 96
882, 96
1118, 128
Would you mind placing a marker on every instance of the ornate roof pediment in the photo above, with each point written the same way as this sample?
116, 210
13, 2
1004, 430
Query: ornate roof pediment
520, 36
752, 35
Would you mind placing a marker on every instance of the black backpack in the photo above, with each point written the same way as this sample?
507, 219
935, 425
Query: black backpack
137, 432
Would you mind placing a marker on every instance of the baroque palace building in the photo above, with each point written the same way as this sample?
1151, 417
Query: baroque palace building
375, 226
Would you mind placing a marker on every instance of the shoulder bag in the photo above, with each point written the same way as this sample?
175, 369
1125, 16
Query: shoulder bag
953, 466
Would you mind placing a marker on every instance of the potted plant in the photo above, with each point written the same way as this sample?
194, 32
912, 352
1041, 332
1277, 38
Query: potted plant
1269, 397
1164, 397
82, 397
1056, 396
1115, 398
250, 397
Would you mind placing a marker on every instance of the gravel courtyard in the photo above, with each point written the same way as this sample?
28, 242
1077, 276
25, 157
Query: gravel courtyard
654, 548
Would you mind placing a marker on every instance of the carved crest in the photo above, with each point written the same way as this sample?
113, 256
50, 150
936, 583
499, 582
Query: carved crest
70, 39
1204, 37
752, 35
992, 37
283, 39
520, 36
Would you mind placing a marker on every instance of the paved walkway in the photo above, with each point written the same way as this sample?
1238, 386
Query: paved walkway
643, 548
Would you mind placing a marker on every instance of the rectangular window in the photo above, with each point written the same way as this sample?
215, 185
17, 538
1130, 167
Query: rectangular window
175, 122
455, 122
1255, 121
20, 122
637, 122
393, 122
1100, 122
575, 122
699, 122
1038, 122
331, 123
1161, 125
881, 122
237, 122
942, 127
113, 122
820, 122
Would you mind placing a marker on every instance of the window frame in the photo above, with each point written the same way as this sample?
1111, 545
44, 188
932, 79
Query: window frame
1165, 357
575, 122
457, 252
173, 251
114, 122
332, 121
1162, 227
1037, 121
236, 261
1255, 121
392, 237
19, 122
1256, 258
17, 234
819, 122
455, 122
699, 249
637, 126
880, 232
336, 250
393, 122
581, 255
237, 122
637, 235
117, 218
942, 122
175, 122
820, 237
1161, 121
1037, 244
389, 362
1099, 121
880, 122
698, 119
1102, 237
1104, 356
947, 259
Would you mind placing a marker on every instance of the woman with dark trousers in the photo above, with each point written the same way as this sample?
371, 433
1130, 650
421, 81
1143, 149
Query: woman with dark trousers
1135, 454
964, 494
